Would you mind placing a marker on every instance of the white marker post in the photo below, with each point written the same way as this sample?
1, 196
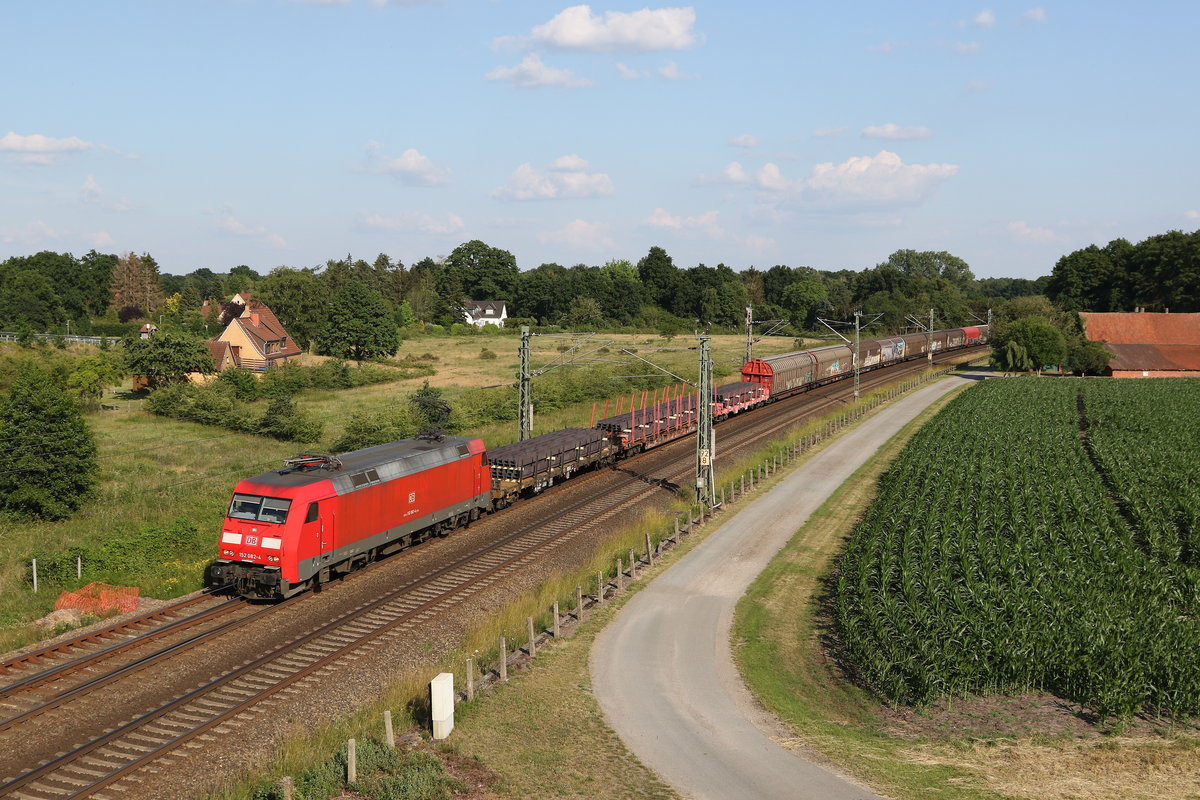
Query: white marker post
441, 695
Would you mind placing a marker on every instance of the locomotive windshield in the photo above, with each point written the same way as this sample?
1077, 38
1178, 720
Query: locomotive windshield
261, 509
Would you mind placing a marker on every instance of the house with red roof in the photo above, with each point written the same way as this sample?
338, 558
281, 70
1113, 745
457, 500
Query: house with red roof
253, 340
1147, 345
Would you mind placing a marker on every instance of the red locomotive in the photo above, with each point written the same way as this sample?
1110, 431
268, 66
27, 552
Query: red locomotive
320, 517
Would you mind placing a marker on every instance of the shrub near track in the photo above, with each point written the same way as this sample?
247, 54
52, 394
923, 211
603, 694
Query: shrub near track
997, 558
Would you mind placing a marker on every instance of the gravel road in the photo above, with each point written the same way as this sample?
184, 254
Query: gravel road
663, 672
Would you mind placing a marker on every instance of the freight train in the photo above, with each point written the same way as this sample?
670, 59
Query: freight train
321, 517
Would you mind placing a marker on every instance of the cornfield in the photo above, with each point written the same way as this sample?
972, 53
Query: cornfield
1037, 535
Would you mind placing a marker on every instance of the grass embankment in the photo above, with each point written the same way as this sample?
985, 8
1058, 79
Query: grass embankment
542, 734
779, 630
165, 483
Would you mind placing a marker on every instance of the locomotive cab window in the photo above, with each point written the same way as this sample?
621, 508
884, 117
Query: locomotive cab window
313, 512
259, 509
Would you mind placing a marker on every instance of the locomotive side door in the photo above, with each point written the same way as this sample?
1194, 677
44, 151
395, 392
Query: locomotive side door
318, 529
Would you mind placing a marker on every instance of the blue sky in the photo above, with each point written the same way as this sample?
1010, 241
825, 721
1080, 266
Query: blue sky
213, 133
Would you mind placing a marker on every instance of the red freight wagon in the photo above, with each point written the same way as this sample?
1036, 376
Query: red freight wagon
319, 517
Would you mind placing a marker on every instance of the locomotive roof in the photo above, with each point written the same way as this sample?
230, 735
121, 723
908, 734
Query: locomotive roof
374, 464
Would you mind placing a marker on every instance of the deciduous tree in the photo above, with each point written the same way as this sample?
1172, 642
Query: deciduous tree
360, 325
48, 464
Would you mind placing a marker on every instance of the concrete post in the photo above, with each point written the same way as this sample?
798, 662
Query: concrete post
632, 565
532, 637
743, 491
503, 659
620, 574
441, 703
599, 587
470, 679
650, 548
288, 786
35, 576
351, 762
676, 534
579, 603
556, 619
389, 737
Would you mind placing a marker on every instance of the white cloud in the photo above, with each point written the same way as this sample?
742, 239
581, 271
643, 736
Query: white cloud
38, 149
630, 74
872, 181
567, 176
770, 178
1034, 15
733, 173
760, 245
101, 239
1192, 214
745, 140
893, 131
410, 167
985, 18
1026, 233
414, 221
31, 235
825, 133
671, 72
92, 193
227, 222
966, 48
583, 234
705, 223
577, 28
533, 72
978, 85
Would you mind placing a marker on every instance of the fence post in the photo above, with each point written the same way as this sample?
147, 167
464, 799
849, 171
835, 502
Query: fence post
532, 637
288, 786
676, 536
503, 659
470, 679
388, 736
351, 762
632, 565
79, 567
579, 603
599, 587
620, 574
650, 550
35, 576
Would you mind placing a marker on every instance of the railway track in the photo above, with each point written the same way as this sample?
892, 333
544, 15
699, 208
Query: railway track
112, 753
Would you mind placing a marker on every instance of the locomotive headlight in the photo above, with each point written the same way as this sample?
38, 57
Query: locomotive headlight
226, 552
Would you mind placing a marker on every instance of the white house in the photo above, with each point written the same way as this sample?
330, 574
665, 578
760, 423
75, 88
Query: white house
486, 312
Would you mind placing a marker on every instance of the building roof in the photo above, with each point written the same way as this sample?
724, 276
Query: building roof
1147, 342
487, 309
1154, 357
261, 326
1142, 328
217, 349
